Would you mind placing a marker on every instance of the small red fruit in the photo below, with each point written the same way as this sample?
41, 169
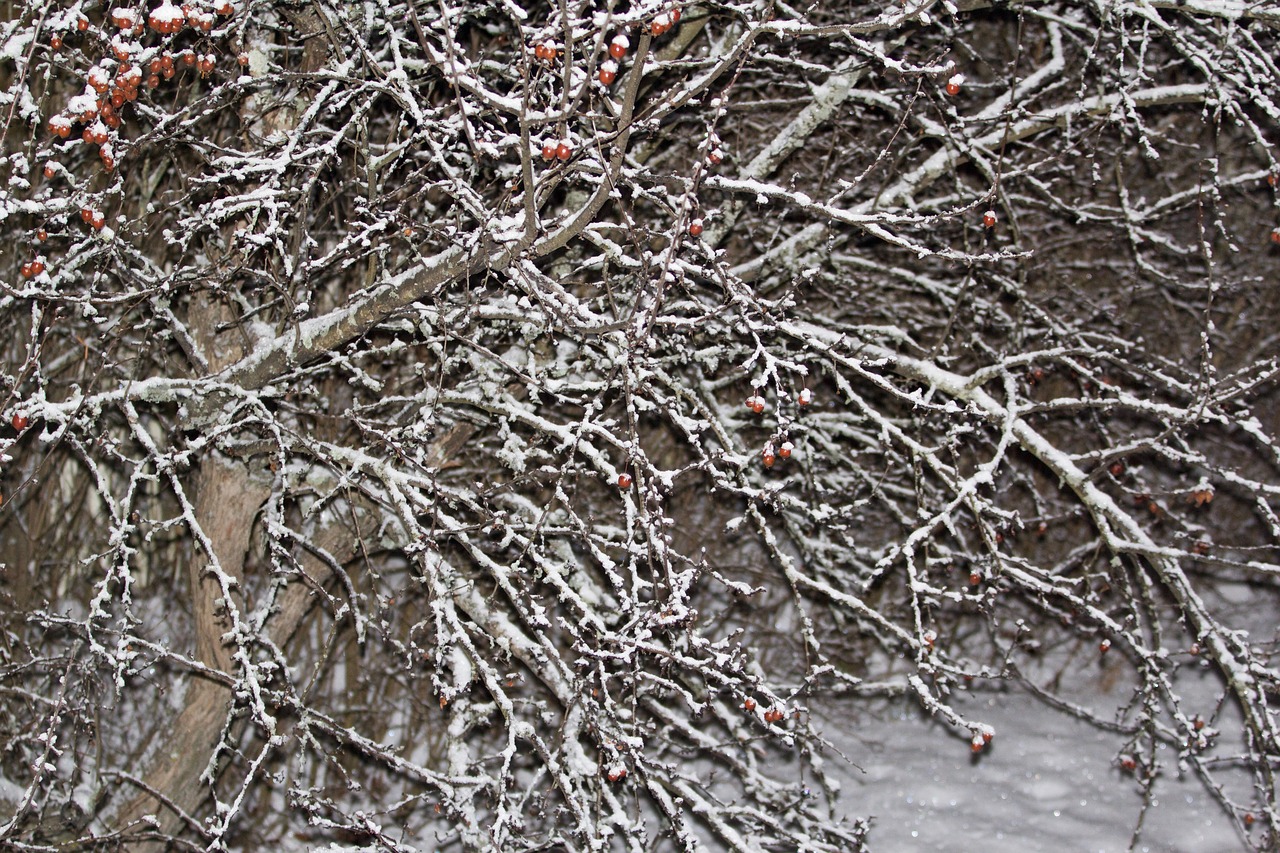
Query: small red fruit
564, 150
548, 151
974, 578
773, 715
20, 422
86, 214
49, 170
617, 774
695, 228
608, 73
55, 42
153, 81
749, 704
98, 221
242, 58
715, 156
675, 16
1116, 468
954, 84
41, 235
977, 743
1273, 179
223, 7
82, 24
1195, 649
768, 459
989, 219
624, 481
1249, 818
618, 47
1275, 235
805, 398
784, 450
1104, 646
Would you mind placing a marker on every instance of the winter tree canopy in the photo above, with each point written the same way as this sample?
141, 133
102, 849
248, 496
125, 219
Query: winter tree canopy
498, 425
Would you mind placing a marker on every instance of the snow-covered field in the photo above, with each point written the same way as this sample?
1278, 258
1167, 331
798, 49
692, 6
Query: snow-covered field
1047, 783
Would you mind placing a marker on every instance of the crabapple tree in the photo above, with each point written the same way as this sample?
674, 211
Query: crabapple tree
375, 462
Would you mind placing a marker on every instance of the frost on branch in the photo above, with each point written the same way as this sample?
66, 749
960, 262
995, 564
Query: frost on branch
375, 466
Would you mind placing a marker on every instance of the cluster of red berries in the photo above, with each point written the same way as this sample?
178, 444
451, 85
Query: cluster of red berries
617, 774
93, 217
545, 51
774, 715
557, 150
31, 269
980, 739
783, 451
618, 47
664, 22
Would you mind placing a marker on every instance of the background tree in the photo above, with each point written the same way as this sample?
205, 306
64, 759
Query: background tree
378, 467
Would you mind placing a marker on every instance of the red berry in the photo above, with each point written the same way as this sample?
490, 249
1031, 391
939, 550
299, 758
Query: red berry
26, 270
82, 24
1104, 646
989, 219
548, 151
773, 715
675, 16
618, 47
564, 150
55, 42
1195, 649
20, 422
768, 459
695, 227
977, 743
86, 213
805, 398
953, 89
1116, 468
153, 81
624, 481
41, 235
954, 84
749, 704
617, 774
49, 170
1249, 818
1128, 763
1275, 235
715, 156
974, 578
243, 58
223, 7
608, 74
98, 220
784, 451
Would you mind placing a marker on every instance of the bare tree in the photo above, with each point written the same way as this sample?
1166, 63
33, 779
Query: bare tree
378, 468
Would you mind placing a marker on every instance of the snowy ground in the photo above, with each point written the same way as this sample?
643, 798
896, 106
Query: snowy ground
1047, 783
